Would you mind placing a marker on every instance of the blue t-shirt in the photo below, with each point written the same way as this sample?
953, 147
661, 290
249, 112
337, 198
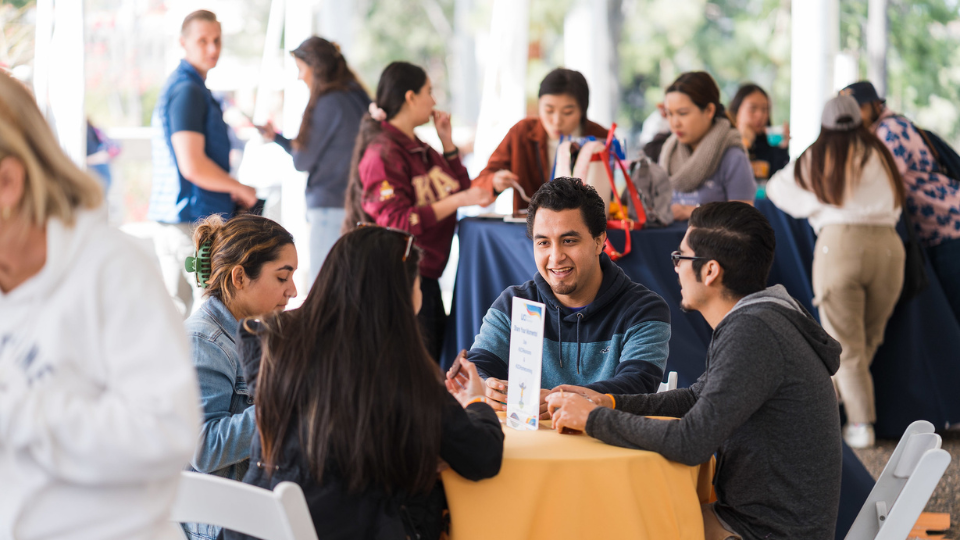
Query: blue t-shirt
185, 104
732, 181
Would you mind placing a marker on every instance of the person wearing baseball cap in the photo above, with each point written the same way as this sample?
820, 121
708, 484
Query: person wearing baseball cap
871, 105
933, 197
848, 186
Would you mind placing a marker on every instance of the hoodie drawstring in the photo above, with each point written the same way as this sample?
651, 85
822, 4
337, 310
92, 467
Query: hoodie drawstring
559, 339
579, 318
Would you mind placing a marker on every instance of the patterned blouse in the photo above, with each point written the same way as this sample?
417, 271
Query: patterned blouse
933, 199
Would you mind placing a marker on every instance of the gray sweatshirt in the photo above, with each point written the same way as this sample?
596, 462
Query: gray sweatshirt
329, 149
766, 406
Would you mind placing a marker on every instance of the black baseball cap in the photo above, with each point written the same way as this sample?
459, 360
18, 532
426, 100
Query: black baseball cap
863, 92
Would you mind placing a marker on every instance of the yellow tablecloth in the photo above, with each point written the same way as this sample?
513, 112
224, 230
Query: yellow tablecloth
555, 486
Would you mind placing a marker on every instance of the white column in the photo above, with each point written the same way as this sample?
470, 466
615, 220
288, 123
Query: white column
464, 71
59, 82
298, 26
587, 48
503, 102
269, 61
877, 30
815, 32
337, 24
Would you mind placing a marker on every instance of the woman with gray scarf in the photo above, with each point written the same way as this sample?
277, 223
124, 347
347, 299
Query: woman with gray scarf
704, 155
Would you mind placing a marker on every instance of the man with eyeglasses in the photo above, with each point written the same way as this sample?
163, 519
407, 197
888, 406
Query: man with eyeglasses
765, 404
602, 331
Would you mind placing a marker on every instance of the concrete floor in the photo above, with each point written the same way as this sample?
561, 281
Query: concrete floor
946, 498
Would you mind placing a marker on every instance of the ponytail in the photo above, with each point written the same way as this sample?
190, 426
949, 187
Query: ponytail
397, 79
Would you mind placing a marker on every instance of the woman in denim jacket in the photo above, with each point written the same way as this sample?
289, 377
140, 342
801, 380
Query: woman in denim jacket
246, 267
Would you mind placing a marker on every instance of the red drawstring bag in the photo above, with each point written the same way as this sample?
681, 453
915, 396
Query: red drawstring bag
624, 224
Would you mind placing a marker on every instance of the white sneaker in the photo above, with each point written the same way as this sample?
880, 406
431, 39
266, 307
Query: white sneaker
859, 435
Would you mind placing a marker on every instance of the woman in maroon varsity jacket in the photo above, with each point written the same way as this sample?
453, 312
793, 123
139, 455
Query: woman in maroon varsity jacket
398, 181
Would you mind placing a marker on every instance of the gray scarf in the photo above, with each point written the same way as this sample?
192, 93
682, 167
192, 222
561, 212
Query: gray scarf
688, 169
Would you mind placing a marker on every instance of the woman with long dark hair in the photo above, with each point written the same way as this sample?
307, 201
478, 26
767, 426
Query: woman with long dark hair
351, 407
750, 113
848, 185
704, 155
324, 144
396, 180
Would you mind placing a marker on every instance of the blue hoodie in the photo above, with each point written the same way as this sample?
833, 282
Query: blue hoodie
619, 343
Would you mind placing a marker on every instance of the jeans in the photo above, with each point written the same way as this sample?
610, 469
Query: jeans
325, 226
945, 258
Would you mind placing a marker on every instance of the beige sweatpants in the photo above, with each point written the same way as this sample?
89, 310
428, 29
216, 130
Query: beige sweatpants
857, 277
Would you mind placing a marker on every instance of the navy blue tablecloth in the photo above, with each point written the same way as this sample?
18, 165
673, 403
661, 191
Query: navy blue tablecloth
915, 371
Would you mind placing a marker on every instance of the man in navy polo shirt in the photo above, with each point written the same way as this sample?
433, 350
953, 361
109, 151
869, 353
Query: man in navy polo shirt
191, 157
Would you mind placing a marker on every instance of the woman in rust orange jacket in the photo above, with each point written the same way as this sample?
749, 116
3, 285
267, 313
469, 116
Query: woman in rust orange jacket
527, 154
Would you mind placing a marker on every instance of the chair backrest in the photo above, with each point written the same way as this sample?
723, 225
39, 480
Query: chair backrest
281, 514
904, 487
671, 383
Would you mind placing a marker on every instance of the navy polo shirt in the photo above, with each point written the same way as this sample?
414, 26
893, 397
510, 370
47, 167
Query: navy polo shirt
185, 104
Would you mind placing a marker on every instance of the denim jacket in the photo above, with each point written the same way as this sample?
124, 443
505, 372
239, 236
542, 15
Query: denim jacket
228, 414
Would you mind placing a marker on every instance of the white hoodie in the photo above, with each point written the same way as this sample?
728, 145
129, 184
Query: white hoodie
98, 398
871, 202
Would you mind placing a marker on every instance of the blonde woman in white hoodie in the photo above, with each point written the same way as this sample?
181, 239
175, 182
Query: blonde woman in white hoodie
98, 398
848, 185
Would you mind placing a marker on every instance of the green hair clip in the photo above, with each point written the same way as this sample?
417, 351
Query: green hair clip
199, 264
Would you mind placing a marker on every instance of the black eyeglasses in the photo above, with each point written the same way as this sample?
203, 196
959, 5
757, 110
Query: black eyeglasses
409, 236
676, 257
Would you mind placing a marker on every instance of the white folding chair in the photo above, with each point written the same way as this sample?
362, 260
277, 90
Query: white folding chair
281, 514
904, 487
671, 383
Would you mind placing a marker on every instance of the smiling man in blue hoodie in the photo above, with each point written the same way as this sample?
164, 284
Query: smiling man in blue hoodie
601, 330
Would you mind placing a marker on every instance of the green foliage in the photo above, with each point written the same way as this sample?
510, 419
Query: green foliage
16, 33
923, 80
734, 40
416, 31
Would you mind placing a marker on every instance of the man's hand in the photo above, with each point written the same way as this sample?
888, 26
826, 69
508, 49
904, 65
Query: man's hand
601, 400
569, 410
496, 393
244, 195
503, 179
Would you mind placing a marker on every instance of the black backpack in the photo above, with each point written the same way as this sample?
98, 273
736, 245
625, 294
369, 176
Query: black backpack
947, 159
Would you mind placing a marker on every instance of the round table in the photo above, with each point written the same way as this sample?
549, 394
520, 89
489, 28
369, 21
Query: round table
573, 486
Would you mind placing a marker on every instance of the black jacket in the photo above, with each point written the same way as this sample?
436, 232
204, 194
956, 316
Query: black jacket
471, 443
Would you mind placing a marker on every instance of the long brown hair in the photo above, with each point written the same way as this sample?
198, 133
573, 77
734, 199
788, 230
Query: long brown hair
396, 80
348, 373
330, 74
246, 240
832, 164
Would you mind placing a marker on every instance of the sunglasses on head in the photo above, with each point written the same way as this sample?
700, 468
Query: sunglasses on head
409, 236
